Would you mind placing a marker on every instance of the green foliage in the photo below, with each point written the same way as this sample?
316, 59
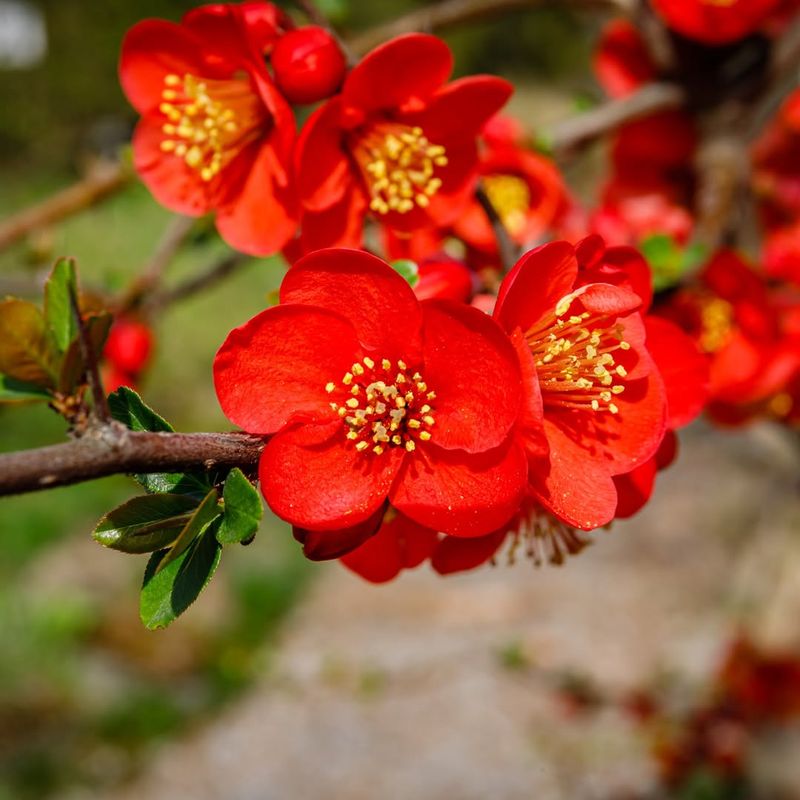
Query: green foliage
12, 390
408, 270
669, 261
243, 509
59, 291
167, 592
147, 523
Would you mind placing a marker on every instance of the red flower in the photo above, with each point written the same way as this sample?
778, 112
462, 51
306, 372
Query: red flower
398, 141
444, 278
215, 133
525, 188
715, 22
369, 395
595, 403
126, 353
622, 61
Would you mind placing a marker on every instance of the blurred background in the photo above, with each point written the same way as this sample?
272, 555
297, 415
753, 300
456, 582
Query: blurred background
292, 680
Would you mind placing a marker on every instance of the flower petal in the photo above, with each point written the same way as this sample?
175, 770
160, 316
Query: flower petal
462, 107
313, 477
460, 493
340, 225
276, 366
322, 168
400, 544
473, 368
325, 545
407, 68
456, 554
263, 217
576, 489
379, 304
151, 50
535, 284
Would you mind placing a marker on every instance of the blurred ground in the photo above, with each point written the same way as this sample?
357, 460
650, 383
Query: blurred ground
444, 688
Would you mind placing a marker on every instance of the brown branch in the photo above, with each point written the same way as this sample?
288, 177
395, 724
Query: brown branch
577, 130
454, 12
103, 179
217, 272
114, 449
509, 252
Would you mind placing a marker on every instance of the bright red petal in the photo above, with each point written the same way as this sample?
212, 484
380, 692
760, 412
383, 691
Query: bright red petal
462, 107
340, 225
575, 488
322, 168
682, 366
622, 62
264, 215
325, 545
535, 285
472, 366
460, 493
276, 366
151, 50
634, 488
398, 72
379, 303
313, 477
456, 554
399, 544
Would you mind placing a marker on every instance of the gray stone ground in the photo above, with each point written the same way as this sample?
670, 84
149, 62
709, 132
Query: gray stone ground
400, 692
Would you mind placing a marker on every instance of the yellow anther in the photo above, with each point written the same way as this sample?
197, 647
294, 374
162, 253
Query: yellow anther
425, 436
330, 386
361, 446
368, 362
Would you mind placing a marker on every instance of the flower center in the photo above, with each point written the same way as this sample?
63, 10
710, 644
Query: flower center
383, 406
716, 322
209, 121
399, 167
575, 359
511, 197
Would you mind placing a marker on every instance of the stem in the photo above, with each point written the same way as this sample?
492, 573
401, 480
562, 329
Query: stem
100, 403
507, 249
113, 450
453, 12
103, 179
217, 272
581, 128
172, 240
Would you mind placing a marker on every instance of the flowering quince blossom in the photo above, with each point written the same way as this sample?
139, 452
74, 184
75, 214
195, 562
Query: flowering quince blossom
595, 404
594, 408
370, 396
215, 134
398, 142
715, 22
524, 187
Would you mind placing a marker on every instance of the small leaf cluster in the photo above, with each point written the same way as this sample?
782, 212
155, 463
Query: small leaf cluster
183, 521
40, 350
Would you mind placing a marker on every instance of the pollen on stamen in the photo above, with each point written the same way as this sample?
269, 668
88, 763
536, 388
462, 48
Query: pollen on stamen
375, 414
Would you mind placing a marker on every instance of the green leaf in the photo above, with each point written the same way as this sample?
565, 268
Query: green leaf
14, 391
72, 366
25, 348
147, 523
203, 515
168, 592
128, 408
60, 287
243, 509
408, 270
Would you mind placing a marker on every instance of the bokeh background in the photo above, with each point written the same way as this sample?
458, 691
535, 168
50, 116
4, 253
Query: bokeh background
291, 680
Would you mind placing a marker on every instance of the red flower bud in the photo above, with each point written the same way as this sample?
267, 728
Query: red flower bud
128, 346
308, 64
